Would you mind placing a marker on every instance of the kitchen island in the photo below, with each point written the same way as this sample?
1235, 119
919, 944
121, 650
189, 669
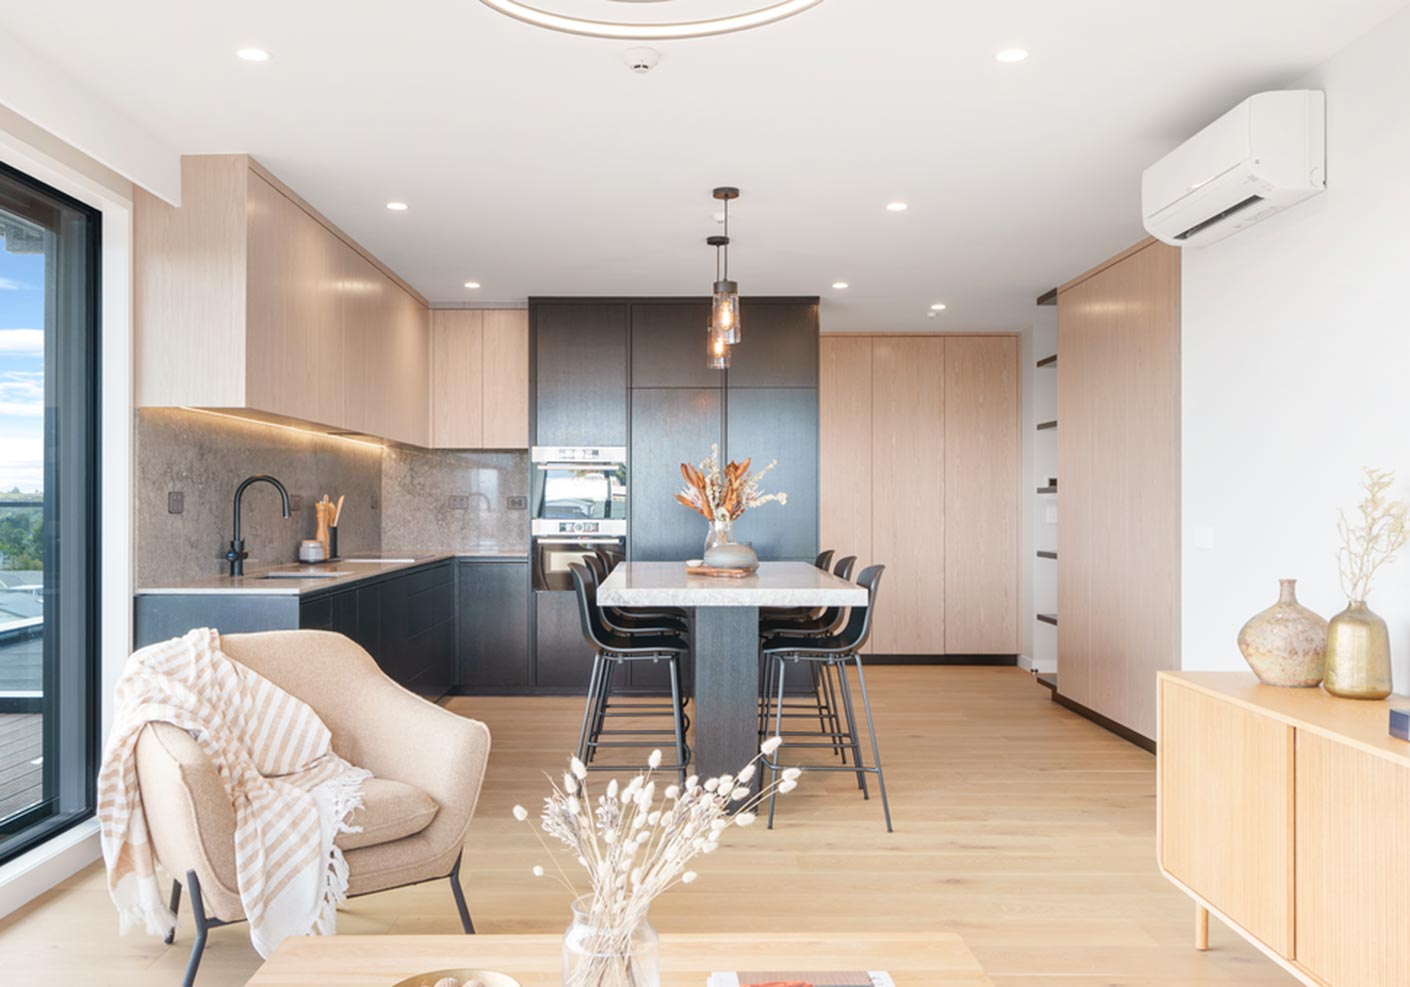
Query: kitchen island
726, 639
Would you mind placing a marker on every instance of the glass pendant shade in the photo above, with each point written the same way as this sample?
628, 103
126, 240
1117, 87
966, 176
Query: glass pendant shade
724, 311
716, 351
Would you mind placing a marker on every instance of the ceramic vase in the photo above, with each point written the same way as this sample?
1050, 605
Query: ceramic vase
1285, 645
1358, 654
723, 552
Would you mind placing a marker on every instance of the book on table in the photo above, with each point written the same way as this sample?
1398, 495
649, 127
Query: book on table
784, 978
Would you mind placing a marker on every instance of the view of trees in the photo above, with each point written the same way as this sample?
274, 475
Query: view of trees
22, 531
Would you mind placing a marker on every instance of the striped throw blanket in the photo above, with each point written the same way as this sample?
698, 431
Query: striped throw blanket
290, 792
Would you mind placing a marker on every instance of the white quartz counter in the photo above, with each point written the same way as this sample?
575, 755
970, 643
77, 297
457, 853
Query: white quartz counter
776, 584
340, 573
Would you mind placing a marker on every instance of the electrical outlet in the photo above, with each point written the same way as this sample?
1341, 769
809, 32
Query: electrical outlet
1050, 515
517, 503
458, 502
296, 503
175, 502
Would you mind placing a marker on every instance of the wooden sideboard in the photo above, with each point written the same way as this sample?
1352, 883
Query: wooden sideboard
1286, 814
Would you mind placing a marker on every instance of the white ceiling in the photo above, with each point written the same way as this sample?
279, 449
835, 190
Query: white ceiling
536, 164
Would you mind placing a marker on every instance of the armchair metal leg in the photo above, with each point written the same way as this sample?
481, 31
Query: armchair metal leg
170, 937
198, 912
459, 893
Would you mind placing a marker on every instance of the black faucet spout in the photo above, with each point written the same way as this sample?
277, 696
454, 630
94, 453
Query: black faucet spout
236, 554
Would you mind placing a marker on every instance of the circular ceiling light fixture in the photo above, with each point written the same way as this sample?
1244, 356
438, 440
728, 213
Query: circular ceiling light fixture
253, 54
840, 285
1010, 56
397, 206
473, 285
630, 31
896, 207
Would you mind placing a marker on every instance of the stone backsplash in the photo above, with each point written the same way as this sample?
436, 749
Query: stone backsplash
454, 501
202, 457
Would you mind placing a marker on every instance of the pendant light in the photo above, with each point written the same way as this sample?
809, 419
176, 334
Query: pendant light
717, 336
724, 301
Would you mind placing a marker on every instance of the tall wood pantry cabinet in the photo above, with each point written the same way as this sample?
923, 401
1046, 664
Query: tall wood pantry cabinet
919, 463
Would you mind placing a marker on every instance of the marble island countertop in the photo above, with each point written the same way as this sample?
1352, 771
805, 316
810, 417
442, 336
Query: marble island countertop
775, 584
290, 579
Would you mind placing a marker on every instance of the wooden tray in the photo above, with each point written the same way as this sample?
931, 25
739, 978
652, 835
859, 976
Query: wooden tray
709, 570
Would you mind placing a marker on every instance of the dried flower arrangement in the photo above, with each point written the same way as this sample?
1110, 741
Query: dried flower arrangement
635, 845
724, 494
1374, 539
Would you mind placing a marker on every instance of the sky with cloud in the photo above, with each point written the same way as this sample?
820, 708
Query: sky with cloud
21, 371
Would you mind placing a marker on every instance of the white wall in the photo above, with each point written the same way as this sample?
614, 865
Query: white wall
1296, 370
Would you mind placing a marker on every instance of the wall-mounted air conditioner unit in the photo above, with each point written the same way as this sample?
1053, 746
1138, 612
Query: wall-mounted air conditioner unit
1264, 155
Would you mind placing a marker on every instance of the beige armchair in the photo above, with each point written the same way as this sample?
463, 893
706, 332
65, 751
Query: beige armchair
427, 763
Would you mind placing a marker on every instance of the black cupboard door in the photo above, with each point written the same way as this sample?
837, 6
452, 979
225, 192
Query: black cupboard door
670, 426
779, 345
668, 345
782, 424
562, 656
493, 603
580, 373
418, 624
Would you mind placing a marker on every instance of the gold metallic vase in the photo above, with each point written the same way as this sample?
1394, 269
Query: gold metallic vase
1358, 654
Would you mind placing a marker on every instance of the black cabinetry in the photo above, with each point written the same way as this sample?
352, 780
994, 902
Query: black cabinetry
406, 621
668, 345
562, 657
779, 346
670, 426
580, 373
769, 423
493, 605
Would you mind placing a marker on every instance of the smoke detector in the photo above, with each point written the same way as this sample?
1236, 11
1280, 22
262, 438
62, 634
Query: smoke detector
641, 60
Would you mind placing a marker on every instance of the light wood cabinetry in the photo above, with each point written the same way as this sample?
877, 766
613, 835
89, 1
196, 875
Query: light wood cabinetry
919, 458
1118, 494
480, 379
982, 412
457, 378
1282, 812
506, 380
248, 300
845, 447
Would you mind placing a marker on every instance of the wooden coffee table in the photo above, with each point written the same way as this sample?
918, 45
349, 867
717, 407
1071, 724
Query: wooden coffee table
913, 959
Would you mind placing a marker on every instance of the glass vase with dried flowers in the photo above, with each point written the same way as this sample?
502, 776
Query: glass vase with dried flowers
1358, 643
635, 844
721, 495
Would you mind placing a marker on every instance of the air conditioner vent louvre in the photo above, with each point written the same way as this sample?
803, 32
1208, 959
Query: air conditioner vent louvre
1218, 217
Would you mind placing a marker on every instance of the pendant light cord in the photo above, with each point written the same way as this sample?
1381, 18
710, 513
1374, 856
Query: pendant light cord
727, 239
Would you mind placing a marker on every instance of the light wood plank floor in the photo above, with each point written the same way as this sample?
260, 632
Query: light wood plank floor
1020, 826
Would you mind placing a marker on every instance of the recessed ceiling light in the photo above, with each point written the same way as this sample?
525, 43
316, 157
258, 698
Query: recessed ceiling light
472, 285
938, 307
397, 206
839, 285
896, 207
1011, 55
253, 54
931, 315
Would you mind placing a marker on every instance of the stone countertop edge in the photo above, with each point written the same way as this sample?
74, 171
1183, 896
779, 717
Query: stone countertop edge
254, 585
776, 585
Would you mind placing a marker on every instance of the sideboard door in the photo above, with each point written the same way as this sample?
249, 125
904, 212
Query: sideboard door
1353, 852
1226, 803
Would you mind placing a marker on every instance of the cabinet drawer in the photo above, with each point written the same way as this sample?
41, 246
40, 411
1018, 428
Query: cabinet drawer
1353, 852
1226, 804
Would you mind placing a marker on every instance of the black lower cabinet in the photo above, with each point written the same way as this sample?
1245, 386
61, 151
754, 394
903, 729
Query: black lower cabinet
562, 657
406, 622
493, 609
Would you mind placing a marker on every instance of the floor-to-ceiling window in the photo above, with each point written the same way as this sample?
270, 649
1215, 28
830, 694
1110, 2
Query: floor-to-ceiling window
48, 510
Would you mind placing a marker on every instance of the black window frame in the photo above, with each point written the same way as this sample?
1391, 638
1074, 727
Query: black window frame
73, 713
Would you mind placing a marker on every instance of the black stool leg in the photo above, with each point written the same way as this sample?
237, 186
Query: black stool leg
589, 709
455, 889
875, 751
778, 732
198, 912
856, 746
682, 757
170, 937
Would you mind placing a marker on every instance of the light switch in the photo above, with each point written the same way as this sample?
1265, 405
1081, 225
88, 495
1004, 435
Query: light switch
1050, 514
517, 503
458, 502
175, 502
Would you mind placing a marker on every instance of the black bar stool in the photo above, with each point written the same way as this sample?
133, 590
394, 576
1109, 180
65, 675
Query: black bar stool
610, 650
823, 562
634, 620
823, 704
836, 651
